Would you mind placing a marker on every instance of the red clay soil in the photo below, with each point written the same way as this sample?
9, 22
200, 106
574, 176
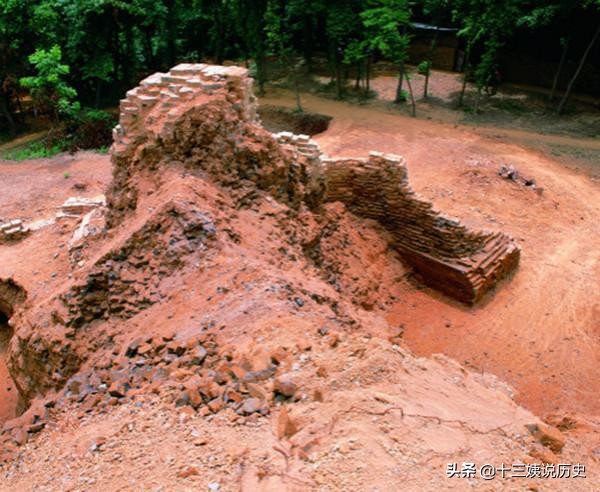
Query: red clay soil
541, 330
8, 392
31, 191
369, 413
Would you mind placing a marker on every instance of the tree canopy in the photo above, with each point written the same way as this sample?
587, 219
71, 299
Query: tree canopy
106, 46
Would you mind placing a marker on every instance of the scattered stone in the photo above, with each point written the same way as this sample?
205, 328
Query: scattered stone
285, 387
257, 391
333, 340
252, 405
216, 405
547, 436
133, 347
323, 330
118, 389
285, 425
188, 471
198, 355
78, 206
13, 230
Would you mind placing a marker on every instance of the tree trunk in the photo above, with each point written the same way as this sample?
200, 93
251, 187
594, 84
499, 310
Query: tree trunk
399, 96
477, 99
298, 99
12, 128
129, 67
296, 84
563, 57
148, 51
21, 115
338, 78
98, 98
461, 98
261, 72
220, 41
368, 77
412, 97
429, 59
307, 41
171, 34
565, 98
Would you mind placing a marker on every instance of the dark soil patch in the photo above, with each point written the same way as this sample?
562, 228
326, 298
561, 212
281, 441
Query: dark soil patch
279, 119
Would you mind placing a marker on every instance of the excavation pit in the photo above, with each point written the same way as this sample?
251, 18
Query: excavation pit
279, 119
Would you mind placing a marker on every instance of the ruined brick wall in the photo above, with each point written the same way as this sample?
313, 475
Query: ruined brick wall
203, 118
463, 264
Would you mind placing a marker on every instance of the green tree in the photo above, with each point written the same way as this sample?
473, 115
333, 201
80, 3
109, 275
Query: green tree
358, 53
436, 9
482, 21
387, 22
16, 38
280, 25
594, 8
542, 14
342, 25
250, 19
50, 92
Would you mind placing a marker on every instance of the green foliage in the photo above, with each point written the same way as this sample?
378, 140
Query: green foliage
356, 52
89, 129
384, 21
35, 150
110, 45
483, 22
424, 68
280, 24
50, 92
86, 129
279, 27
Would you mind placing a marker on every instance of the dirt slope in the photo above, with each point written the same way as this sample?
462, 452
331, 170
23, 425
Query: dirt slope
541, 330
365, 413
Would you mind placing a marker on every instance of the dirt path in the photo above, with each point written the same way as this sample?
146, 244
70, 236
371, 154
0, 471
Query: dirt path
22, 141
541, 330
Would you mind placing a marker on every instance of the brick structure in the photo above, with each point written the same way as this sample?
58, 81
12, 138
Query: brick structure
206, 118
463, 264
13, 230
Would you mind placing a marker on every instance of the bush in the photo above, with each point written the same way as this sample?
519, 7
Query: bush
50, 93
424, 67
34, 150
90, 129
87, 129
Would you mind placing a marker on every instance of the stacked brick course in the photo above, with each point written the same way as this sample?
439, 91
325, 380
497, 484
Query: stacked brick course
12, 230
463, 264
301, 145
170, 91
205, 118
